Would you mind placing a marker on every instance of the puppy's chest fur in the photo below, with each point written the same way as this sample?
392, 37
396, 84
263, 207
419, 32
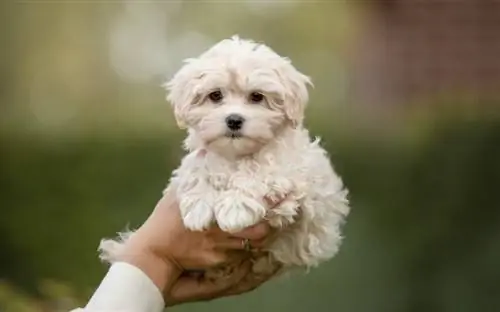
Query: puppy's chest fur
258, 174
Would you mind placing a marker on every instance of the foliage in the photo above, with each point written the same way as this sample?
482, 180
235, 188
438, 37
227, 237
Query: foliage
54, 297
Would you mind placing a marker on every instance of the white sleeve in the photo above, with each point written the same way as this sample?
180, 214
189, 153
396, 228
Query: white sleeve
125, 288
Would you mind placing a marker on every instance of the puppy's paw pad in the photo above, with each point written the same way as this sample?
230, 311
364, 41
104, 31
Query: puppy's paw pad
234, 214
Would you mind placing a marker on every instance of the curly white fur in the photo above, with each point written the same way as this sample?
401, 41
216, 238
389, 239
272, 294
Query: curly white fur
226, 175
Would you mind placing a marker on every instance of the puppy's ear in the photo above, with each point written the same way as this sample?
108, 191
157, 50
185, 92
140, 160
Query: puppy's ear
182, 92
296, 94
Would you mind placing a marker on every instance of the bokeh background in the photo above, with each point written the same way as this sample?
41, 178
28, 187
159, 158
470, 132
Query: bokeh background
406, 99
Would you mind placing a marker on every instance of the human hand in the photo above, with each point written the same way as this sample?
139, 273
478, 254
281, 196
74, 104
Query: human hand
163, 248
189, 288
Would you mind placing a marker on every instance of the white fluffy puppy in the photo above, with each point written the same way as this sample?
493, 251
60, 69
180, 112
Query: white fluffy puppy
243, 106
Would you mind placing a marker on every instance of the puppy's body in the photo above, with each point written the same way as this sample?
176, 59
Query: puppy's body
231, 192
243, 106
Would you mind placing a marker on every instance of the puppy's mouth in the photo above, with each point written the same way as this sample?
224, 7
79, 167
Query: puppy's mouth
234, 135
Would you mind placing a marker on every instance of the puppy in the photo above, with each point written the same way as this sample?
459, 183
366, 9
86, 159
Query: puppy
243, 108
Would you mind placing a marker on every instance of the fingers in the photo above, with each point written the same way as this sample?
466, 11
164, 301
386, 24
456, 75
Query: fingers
256, 232
261, 243
233, 243
217, 259
249, 283
190, 288
228, 250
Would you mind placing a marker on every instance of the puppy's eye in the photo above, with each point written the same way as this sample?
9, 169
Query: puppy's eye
256, 97
215, 96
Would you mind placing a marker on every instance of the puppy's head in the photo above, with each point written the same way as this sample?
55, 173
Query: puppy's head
238, 96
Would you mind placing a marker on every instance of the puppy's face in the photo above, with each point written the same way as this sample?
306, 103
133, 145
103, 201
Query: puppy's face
238, 96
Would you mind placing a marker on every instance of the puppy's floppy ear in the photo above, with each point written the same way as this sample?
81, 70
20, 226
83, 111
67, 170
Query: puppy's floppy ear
295, 94
182, 91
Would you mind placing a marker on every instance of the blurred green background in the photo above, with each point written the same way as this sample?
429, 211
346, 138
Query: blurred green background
406, 100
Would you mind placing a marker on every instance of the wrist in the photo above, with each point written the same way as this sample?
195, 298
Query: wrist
162, 272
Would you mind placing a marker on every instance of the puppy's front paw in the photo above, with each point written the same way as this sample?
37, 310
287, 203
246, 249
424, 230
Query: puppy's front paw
284, 213
235, 211
279, 189
197, 214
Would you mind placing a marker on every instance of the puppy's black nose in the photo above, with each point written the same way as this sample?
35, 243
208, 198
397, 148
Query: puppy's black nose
234, 122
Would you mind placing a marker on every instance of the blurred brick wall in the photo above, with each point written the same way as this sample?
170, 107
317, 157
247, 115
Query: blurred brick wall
410, 49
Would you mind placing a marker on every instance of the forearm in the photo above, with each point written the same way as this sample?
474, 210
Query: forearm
136, 285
